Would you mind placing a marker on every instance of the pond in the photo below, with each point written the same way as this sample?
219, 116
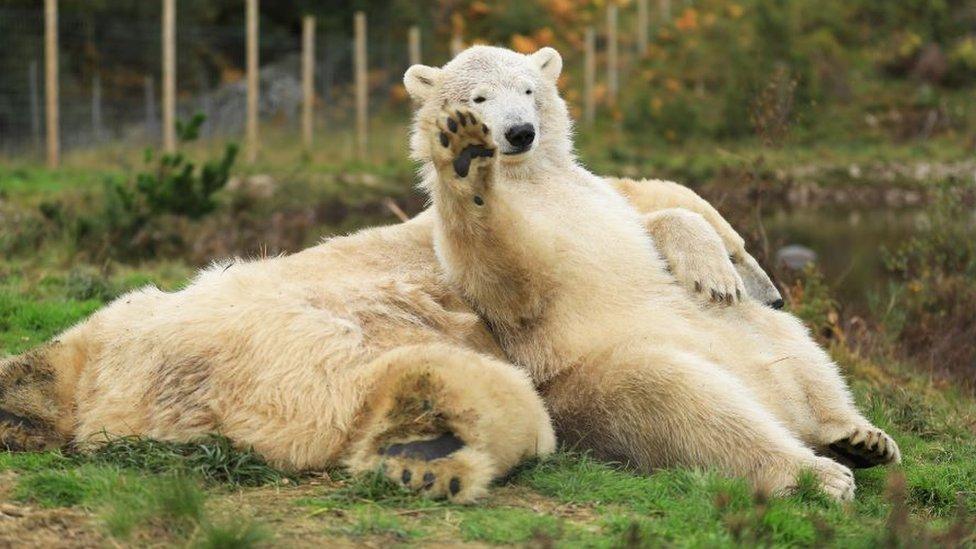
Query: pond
849, 244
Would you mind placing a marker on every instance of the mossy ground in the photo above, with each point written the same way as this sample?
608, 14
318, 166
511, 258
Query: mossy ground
209, 495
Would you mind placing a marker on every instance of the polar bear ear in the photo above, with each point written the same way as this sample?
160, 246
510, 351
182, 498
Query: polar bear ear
420, 81
549, 62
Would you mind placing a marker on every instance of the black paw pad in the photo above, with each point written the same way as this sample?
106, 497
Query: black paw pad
428, 480
452, 125
444, 141
426, 450
462, 118
454, 486
406, 476
857, 455
462, 164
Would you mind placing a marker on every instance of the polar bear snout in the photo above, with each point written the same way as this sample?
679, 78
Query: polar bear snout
520, 137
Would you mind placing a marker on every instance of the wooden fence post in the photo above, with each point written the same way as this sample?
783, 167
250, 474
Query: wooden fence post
413, 39
457, 33
362, 92
51, 83
35, 106
152, 127
308, 79
96, 108
253, 83
642, 23
169, 76
613, 82
589, 77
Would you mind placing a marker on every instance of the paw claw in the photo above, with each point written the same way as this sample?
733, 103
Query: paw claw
866, 447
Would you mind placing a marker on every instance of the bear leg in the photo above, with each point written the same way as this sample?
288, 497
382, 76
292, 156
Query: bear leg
812, 397
656, 408
445, 421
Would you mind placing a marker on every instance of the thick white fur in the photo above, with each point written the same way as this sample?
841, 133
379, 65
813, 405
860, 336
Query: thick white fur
301, 357
313, 358
561, 267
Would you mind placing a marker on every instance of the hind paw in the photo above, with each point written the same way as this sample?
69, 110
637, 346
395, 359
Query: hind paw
438, 468
866, 447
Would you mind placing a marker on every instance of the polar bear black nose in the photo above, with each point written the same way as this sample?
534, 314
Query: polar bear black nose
521, 136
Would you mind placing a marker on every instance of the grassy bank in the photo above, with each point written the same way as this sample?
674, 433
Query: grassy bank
210, 495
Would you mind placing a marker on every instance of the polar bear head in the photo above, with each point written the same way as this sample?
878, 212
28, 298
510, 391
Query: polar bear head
514, 94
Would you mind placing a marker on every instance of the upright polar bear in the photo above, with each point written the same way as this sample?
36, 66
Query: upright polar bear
560, 267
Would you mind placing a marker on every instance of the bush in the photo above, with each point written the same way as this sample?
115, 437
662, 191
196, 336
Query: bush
128, 221
932, 302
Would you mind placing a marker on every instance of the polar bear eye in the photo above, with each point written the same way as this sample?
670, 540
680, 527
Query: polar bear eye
479, 99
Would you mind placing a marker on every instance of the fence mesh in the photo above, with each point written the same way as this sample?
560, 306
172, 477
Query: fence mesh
110, 81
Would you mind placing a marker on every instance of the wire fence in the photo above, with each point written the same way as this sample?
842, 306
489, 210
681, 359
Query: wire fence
110, 81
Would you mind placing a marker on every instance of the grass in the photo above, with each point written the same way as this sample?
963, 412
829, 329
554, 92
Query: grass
209, 494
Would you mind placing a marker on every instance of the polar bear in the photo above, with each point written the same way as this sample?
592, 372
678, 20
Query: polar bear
559, 266
313, 360
355, 351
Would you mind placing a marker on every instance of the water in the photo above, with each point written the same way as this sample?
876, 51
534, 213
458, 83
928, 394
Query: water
849, 244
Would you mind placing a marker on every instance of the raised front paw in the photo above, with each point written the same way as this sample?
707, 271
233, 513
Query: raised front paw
461, 144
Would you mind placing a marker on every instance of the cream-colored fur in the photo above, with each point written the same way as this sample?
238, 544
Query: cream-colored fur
561, 268
322, 357
339, 354
302, 357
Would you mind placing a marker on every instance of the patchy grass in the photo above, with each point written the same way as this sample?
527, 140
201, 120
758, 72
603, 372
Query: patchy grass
209, 494
213, 460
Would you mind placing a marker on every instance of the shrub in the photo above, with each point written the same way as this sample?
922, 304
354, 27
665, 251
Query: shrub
128, 222
933, 299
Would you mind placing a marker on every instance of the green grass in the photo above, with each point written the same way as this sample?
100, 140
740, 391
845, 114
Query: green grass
213, 460
133, 486
508, 525
209, 494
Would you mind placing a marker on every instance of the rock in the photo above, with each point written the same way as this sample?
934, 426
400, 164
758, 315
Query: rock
795, 257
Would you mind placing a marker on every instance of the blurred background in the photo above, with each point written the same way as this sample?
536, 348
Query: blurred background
839, 137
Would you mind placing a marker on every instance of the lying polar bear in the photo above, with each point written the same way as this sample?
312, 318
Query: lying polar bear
354, 351
560, 268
